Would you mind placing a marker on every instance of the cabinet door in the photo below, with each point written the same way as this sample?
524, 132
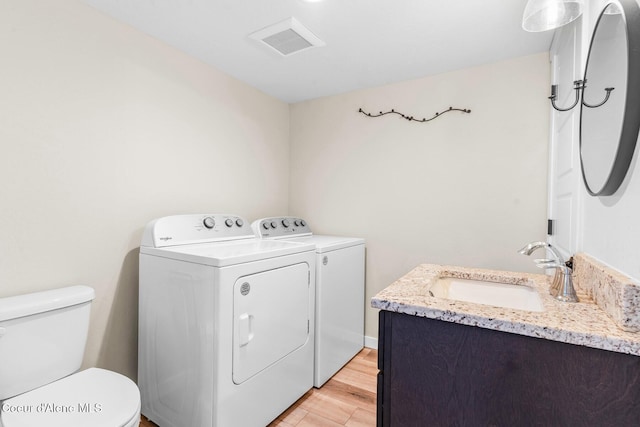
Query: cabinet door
384, 358
437, 373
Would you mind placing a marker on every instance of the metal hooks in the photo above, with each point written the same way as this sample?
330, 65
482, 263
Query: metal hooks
411, 118
606, 98
579, 86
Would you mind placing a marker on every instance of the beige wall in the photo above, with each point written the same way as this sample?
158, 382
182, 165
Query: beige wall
463, 189
103, 129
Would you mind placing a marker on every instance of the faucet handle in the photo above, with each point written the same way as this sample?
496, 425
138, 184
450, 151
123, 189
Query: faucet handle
552, 263
561, 267
544, 262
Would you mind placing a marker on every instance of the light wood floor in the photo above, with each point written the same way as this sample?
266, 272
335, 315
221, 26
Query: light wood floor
347, 399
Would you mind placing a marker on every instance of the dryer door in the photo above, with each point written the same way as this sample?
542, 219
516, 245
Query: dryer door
271, 318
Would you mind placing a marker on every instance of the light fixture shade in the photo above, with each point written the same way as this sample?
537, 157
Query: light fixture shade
543, 15
612, 9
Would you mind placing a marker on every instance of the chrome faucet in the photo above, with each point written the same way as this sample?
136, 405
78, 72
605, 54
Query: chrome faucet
562, 285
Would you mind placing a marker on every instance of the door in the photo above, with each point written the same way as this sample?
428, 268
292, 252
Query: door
271, 318
564, 160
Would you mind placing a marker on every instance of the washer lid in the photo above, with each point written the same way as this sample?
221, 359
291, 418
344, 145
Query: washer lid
94, 397
221, 254
328, 243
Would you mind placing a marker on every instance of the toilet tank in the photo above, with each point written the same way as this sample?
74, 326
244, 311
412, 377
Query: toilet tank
42, 337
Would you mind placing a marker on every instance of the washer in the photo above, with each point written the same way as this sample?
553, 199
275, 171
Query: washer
226, 323
339, 291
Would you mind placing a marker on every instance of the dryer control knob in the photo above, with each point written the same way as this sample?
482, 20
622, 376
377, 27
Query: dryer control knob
296, 223
209, 222
274, 224
239, 222
229, 223
286, 223
265, 225
303, 223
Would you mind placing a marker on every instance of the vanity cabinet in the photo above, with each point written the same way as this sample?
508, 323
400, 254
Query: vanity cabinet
438, 373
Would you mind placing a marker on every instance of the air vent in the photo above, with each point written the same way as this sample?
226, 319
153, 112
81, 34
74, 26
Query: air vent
287, 37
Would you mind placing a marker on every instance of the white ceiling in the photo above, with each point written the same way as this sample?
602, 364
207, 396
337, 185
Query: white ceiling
368, 42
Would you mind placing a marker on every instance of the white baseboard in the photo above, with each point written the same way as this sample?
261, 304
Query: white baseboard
371, 342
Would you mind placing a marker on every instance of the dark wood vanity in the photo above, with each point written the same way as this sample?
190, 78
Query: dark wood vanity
438, 373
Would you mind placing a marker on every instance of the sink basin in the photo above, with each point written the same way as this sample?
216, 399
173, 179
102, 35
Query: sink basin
496, 294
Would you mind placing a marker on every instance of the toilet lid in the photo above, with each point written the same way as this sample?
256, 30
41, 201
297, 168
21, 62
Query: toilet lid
94, 397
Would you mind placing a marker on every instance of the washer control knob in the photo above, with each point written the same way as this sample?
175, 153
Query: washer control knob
274, 224
239, 222
286, 223
229, 222
296, 223
265, 225
209, 222
303, 223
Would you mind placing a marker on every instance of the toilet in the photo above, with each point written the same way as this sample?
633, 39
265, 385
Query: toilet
42, 341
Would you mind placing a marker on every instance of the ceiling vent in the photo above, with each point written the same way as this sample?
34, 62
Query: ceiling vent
287, 37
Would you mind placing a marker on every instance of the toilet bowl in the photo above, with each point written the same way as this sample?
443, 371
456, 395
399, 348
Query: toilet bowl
42, 339
94, 397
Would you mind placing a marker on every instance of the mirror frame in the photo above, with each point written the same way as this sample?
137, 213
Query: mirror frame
631, 120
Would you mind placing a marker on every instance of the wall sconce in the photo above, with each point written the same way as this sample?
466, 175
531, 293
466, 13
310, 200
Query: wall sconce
543, 15
578, 86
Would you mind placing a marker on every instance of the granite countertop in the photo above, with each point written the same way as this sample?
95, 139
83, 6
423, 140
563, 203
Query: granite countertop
582, 323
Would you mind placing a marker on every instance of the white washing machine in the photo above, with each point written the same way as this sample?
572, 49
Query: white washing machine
339, 291
226, 323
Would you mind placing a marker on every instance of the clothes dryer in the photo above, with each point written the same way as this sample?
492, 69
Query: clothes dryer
226, 323
340, 299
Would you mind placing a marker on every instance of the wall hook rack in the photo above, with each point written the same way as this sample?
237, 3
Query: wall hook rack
578, 86
411, 118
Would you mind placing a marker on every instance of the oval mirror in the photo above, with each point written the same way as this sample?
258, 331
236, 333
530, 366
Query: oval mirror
609, 130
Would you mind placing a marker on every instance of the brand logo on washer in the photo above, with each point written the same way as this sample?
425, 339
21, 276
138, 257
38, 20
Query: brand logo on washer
245, 288
164, 239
